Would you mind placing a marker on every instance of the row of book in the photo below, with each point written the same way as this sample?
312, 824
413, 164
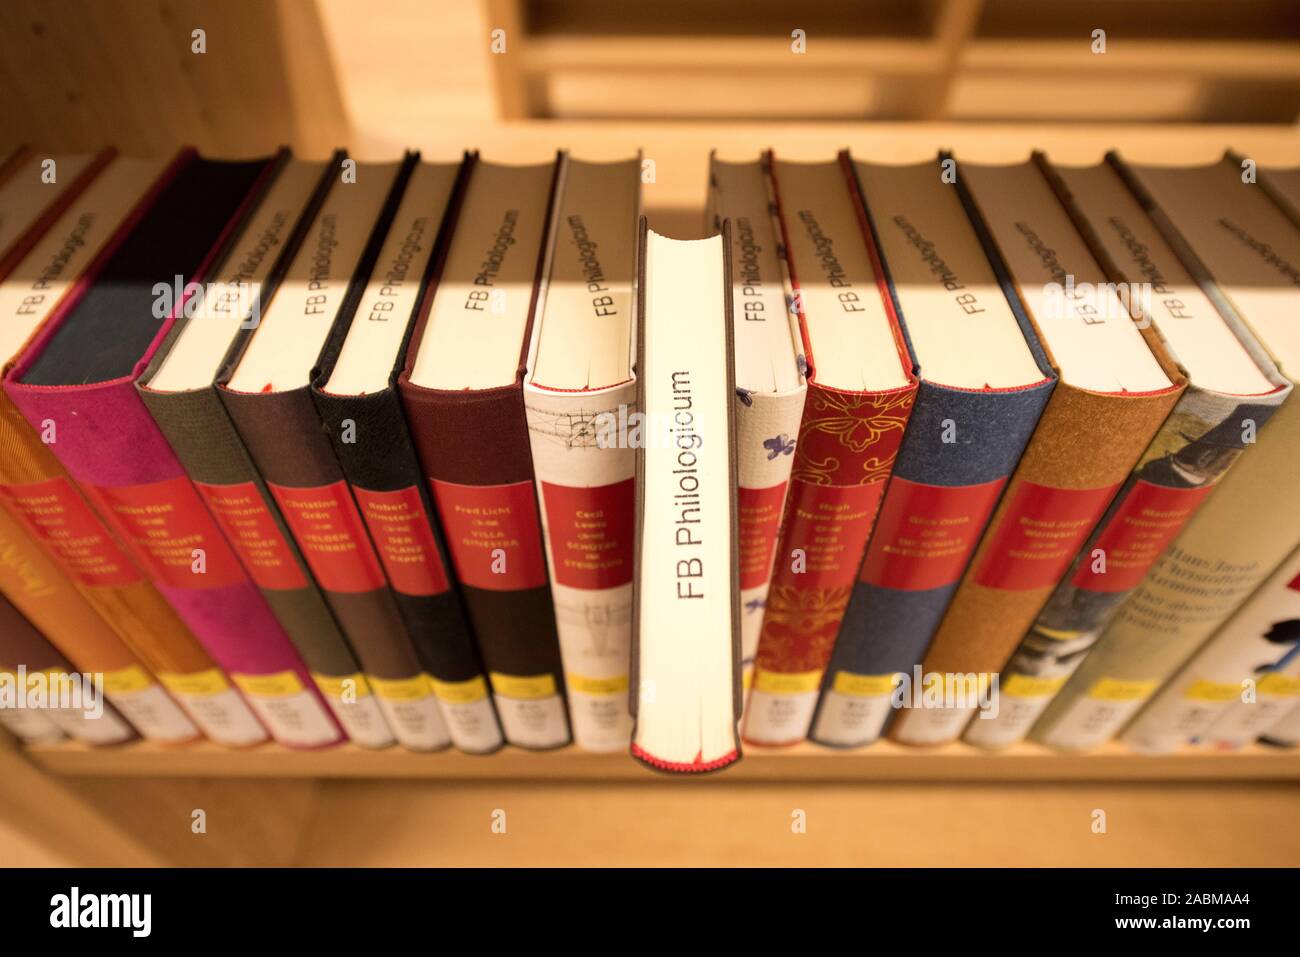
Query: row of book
463, 454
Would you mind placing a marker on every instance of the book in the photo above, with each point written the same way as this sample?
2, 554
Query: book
860, 394
462, 389
1243, 250
77, 377
686, 599
268, 396
983, 383
356, 395
180, 388
579, 387
1285, 731
39, 493
770, 386
1232, 390
34, 677
1248, 671
1115, 386
35, 189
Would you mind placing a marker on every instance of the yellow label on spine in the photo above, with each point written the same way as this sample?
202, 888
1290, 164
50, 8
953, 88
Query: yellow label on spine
195, 684
597, 686
776, 682
747, 679
862, 686
402, 689
523, 687
1025, 686
281, 684
1203, 690
1279, 685
127, 680
336, 686
1117, 689
460, 692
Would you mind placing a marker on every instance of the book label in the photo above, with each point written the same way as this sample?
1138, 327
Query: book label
333, 539
1039, 534
402, 534
215, 707
781, 706
599, 711
493, 534
932, 725
412, 711
356, 709
59, 518
291, 712
248, 524
531, 710
1022, 699
1096, 716
105, 729
145, 703
591, 533
830, 525
1246, 722
926, 533
30, 727
854, 709
467, 709
172, 533
759, 511
1148, 519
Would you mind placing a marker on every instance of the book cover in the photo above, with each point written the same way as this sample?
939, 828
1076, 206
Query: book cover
180, 389
268, 397
355, 391
1115, 387
983, 383
77, 376
39, 493
848, 438
1241, 681
579, 388
1241, 248
462, 389
770, 385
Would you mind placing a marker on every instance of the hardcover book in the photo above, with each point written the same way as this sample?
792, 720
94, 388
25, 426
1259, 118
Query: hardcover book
860, 394
78, 378
579, 387
355, 391
1232, 390
268, 396
37, 490
1285, 732
35, 189
1241, 681
984, 381
1115, 386
770, 386
686, 603
462, 388
180, 389
1243, 250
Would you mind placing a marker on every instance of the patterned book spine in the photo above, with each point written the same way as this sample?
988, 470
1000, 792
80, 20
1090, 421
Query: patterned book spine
1251, 666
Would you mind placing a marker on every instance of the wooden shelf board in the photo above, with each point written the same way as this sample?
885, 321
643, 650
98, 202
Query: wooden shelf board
881, 762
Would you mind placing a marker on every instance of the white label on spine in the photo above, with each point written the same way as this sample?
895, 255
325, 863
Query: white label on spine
30, 727
932, 725
601, 722
473, 725
533, 722
106, 728
297, 720
417, 722
223, 717
155, 715
851, 720
1090, 722
363, 720
1016, 715
1246, 722
775, 718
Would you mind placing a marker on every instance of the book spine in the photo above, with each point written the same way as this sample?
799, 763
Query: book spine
47, 599
204, 439
957, 455
842, 461
587, 490
1251, 664
283, 434
767, 430
1084, 447
1285, 732
474, 451
374, 451
1183, 464
41, 679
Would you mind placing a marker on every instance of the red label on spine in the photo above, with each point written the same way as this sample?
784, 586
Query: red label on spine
493, 534
591, 533
1039, 534
1146, 521
328, 529
830, 523
172, 533
73, 535
248, 523
760, 519
402, 533
926, 533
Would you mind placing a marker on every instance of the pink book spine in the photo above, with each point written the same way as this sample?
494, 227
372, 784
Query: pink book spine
110, 444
